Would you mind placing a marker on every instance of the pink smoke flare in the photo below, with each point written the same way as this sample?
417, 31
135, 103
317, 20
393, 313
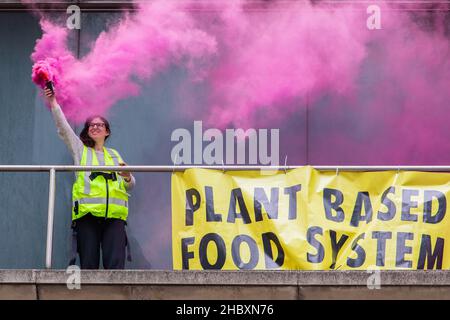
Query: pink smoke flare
44, 71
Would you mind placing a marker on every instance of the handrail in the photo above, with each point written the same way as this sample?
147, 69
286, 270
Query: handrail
52, 169
178, 168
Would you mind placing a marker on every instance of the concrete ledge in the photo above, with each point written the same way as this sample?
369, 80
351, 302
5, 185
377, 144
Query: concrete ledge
209, 277
261, 285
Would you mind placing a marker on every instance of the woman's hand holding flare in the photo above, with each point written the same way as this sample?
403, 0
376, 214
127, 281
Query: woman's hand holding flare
125, 174
50, 97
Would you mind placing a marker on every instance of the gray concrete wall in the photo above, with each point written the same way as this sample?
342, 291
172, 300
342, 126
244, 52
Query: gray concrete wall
219, 285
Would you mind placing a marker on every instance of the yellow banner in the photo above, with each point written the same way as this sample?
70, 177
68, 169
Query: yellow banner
304, 219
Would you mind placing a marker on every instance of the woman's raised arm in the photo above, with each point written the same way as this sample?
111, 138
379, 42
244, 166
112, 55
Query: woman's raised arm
65, 131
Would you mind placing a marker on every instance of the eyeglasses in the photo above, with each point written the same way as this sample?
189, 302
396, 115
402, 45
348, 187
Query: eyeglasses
96, 125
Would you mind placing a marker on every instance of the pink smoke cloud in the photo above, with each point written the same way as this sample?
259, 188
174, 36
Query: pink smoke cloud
262, 63
138, 47
400, 115
281, 54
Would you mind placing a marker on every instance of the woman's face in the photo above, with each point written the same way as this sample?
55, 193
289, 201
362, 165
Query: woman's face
97, 130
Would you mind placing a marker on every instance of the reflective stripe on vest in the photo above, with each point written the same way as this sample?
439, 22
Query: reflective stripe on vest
113, 156
89, 162
115, 201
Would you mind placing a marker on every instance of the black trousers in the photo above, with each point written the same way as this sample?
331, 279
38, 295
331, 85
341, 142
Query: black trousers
94, 233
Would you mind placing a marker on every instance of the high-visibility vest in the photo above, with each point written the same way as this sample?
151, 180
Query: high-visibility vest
102, 194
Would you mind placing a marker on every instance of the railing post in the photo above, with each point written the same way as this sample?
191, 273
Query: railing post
51, 214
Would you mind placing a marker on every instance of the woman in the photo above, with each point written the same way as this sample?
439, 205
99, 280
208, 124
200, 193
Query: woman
100, 199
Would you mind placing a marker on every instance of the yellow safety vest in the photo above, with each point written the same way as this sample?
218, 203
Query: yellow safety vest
102, 194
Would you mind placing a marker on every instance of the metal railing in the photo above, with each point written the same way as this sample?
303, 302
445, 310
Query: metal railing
175, 168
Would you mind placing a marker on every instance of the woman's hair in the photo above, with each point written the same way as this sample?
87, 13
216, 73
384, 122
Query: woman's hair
84, 135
